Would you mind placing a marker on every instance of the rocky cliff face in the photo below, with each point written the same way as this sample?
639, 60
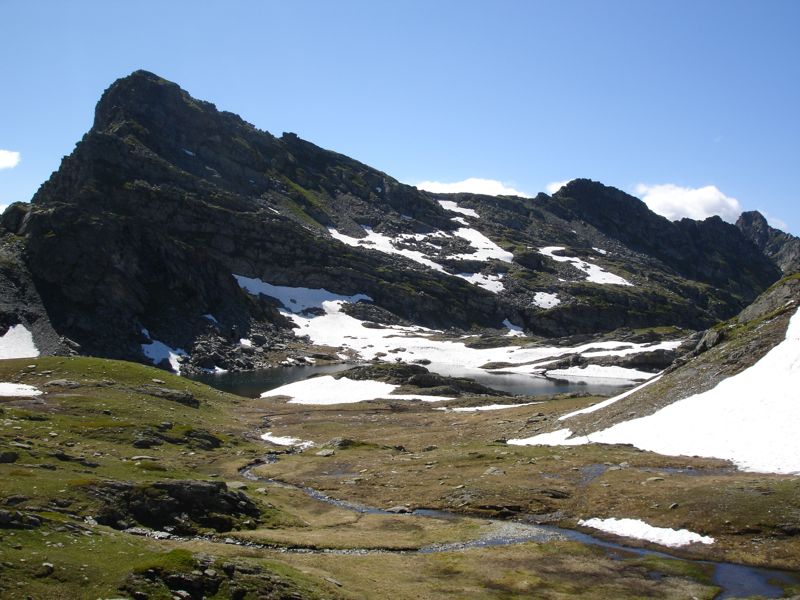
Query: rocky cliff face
781, 247
138, 234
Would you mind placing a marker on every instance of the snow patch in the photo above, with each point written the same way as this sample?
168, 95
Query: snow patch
190, 153
513, 330
385, 244
491, 283
454, 207
546, 300
637, 529
18, 343
211, 318
329, 390
486, 249
599, 250
157, 351
285, 441
295, 299
594, 273
18, 389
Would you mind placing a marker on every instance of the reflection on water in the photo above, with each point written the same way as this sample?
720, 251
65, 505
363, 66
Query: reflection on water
251, 384
529, 385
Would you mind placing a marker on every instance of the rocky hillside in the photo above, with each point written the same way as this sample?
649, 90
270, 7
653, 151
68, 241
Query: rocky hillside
131, 247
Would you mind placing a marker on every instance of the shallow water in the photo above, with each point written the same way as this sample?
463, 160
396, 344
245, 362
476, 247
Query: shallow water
735, 580
251, 384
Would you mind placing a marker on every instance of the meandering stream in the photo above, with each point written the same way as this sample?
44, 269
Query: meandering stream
735, 580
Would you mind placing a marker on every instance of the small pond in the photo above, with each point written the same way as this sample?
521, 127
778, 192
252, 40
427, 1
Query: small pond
252, 384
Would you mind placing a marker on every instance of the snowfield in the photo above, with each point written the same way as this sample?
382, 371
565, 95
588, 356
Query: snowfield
329, 390
634, 528
409, 344
750, 418
18, 343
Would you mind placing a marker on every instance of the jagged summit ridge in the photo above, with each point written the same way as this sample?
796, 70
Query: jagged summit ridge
782, 248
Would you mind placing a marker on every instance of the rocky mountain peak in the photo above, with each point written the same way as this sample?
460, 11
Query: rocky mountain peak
781, 247
144, 225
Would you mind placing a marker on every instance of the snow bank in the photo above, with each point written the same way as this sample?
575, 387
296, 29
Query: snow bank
594, 273
634, 528
18, 343
329, 390
285, 440
454, 207
545, 300
295, 299
18, 389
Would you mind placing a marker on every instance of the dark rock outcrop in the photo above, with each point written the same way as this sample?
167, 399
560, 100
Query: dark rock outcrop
783, 248
184, 507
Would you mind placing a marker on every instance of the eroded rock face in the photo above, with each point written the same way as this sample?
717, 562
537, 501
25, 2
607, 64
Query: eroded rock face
183, 506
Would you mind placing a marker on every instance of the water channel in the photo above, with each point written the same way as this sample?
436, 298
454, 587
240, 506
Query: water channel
734, 580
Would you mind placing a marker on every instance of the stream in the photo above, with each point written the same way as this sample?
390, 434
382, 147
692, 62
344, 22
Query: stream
735, 580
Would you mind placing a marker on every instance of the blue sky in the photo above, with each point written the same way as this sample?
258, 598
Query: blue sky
690, 104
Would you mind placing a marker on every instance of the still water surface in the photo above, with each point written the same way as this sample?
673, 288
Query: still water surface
253, 383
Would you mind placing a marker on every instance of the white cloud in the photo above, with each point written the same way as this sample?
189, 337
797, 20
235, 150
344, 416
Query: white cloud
676, 202
554, 186
473, 185
8, 159
3, 208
